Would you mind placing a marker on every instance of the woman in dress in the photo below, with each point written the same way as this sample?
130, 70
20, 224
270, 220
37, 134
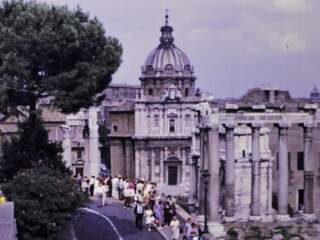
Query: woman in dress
175, 227
167, 214
149, 218
158, 207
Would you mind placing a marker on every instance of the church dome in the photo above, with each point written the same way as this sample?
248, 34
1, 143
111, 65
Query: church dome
167, 60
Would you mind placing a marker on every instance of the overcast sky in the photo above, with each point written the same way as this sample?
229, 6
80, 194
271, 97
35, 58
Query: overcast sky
233, 45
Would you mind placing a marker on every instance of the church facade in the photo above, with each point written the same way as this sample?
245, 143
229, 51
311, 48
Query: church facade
151, 136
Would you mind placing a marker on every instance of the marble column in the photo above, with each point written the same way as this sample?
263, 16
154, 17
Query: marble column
138, 163
214, 181
256, 181
162, 158
214, 225
201, 167
229, 199
308, 169
152, 165
193, 180
66, 145
165, 175
94, 151
283, 171
183, 159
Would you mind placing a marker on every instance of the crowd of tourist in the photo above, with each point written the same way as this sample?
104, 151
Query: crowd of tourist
143, 196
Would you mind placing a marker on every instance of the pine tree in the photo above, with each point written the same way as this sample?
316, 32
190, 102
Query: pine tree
50, 51
45, 202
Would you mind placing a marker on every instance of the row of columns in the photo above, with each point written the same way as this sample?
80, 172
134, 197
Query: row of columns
209, 151
142, 168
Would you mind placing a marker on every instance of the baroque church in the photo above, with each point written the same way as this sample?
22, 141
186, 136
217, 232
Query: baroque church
151, 135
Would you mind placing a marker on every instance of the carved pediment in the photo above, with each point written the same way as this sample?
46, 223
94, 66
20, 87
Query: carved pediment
172, 115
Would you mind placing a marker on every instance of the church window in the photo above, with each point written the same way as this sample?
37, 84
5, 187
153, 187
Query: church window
115, 128
186, 92
172, 125
79, 154
150, 92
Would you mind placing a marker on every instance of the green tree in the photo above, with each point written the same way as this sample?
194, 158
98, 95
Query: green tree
45, 202
50, 51
15, 151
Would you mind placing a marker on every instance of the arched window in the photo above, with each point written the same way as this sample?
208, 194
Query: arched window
115, 128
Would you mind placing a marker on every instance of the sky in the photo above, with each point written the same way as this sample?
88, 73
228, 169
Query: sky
234, 45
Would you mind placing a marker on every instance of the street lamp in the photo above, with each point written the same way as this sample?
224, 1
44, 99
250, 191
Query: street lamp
205, 180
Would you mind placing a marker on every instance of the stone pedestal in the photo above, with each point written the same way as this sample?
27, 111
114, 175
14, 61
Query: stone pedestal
255, 218
309, 217
217, 230
229, 219
283, 218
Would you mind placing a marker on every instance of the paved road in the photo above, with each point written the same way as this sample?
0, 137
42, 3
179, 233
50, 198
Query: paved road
110, 222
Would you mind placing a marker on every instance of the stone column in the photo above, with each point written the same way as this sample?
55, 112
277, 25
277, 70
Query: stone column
193, 181
161, 166
283, 173
308, 171
214, 225
229, 198
213, 167
94, 151
165, 169
138, 163
256, 181
66, 145
183, 170
201, 167
152, 165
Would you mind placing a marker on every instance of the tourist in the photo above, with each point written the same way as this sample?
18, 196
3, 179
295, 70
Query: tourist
91, 185
105, 190
187, 226
149, 218
175, 227
85, 185
99, 193
115, 194
158, 209
139, 212
127, 197
167, 214
120, 187
193, 232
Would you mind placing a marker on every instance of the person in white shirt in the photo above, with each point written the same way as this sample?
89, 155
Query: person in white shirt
99, 193
127, 197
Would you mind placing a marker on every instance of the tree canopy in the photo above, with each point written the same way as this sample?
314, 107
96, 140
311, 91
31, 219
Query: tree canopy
45, 202
50, 51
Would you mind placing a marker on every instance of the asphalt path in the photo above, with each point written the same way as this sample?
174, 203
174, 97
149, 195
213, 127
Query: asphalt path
110, 222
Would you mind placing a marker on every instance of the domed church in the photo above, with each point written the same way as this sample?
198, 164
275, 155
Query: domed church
151, 137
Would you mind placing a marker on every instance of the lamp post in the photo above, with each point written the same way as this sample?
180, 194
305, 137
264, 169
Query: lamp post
205, 180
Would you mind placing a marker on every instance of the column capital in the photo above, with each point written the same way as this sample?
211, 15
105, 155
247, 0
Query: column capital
230, 126
308, 125
255, 125
283, 125
206, 126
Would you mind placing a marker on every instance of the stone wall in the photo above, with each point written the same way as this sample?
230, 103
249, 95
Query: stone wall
8, 229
